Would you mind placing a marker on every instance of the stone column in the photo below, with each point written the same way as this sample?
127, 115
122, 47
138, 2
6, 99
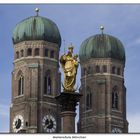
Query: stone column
68, 102
68, 121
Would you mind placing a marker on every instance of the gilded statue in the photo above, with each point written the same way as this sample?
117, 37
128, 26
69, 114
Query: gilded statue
69, 65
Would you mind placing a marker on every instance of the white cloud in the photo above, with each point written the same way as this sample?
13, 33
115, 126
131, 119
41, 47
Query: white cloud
134, 123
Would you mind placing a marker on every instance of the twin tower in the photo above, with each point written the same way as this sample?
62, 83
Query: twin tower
36, 81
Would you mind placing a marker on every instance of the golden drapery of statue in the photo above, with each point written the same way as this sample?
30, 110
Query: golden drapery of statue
69, 65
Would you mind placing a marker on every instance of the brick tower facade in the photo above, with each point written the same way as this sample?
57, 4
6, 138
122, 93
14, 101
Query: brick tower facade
103, 105
35, 77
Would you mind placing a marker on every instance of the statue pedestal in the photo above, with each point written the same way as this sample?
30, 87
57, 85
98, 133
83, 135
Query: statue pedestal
68, 102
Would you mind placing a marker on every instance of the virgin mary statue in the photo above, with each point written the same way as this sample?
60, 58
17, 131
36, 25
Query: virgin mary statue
69, 65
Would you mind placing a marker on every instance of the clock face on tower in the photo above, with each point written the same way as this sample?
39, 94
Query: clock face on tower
116, 130
49, 124
18, 123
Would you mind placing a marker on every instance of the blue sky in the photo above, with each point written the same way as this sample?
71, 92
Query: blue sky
76, 22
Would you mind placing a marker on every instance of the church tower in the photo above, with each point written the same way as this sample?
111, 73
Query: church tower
35, 77
103, 104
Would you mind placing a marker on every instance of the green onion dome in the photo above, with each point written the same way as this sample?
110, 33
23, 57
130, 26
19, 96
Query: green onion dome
102, 46
36, 28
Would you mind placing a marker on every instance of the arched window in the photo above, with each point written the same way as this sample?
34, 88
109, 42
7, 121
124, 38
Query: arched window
52, 54
46, 52
104, 68
115, 98
29, 52
88, 99
21, 85
118, 71
47, 84
17, 55
37, 52
97, 69
22, 53
113, 70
